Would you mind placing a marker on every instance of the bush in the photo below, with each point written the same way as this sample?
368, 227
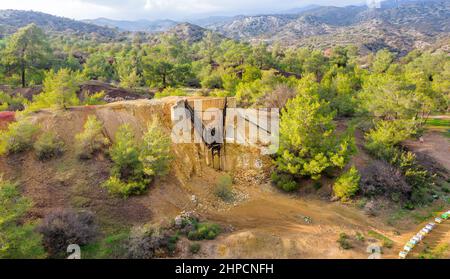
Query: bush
94, 99
91, 140
223, 188
172, 243
48, 146
382, 140
152, 241
347, 185
155, 152
198, 231
284, 181
189, 225
250, 93
135, 166
125, 155
414, 174
360, 237
204, 231
116, 186
127, 175
143, 243
59, 91
11, 103
64, 227
194, 248
212, 81
18, 137
344, 242
18, 240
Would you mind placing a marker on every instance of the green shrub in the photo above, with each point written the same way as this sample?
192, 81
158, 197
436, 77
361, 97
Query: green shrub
18, 137
250, 93
347, 185
414, 174
127, 174
382, 140
284, 181
60, 91
48, 146
418, 178
204, 231
223, 188
91, 140
94, 99
134, 165
125, 155
12, 103
155, 153
344, 242
360, 237
194, 248
18, 240
172, 242
214, 80
117, 186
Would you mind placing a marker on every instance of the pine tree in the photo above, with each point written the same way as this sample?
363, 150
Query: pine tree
27, 50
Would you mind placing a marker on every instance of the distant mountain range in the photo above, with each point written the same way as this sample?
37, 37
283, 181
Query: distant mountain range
163, 25
11, 20
139, 25
399, 25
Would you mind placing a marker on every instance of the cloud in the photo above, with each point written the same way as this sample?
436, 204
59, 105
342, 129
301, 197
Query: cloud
199, 6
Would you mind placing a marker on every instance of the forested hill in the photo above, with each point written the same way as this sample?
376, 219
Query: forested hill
12, 20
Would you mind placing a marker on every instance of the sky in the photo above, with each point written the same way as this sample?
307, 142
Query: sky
160, 9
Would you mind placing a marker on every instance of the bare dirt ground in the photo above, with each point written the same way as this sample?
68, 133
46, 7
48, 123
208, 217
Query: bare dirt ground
270, 224
435, 145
